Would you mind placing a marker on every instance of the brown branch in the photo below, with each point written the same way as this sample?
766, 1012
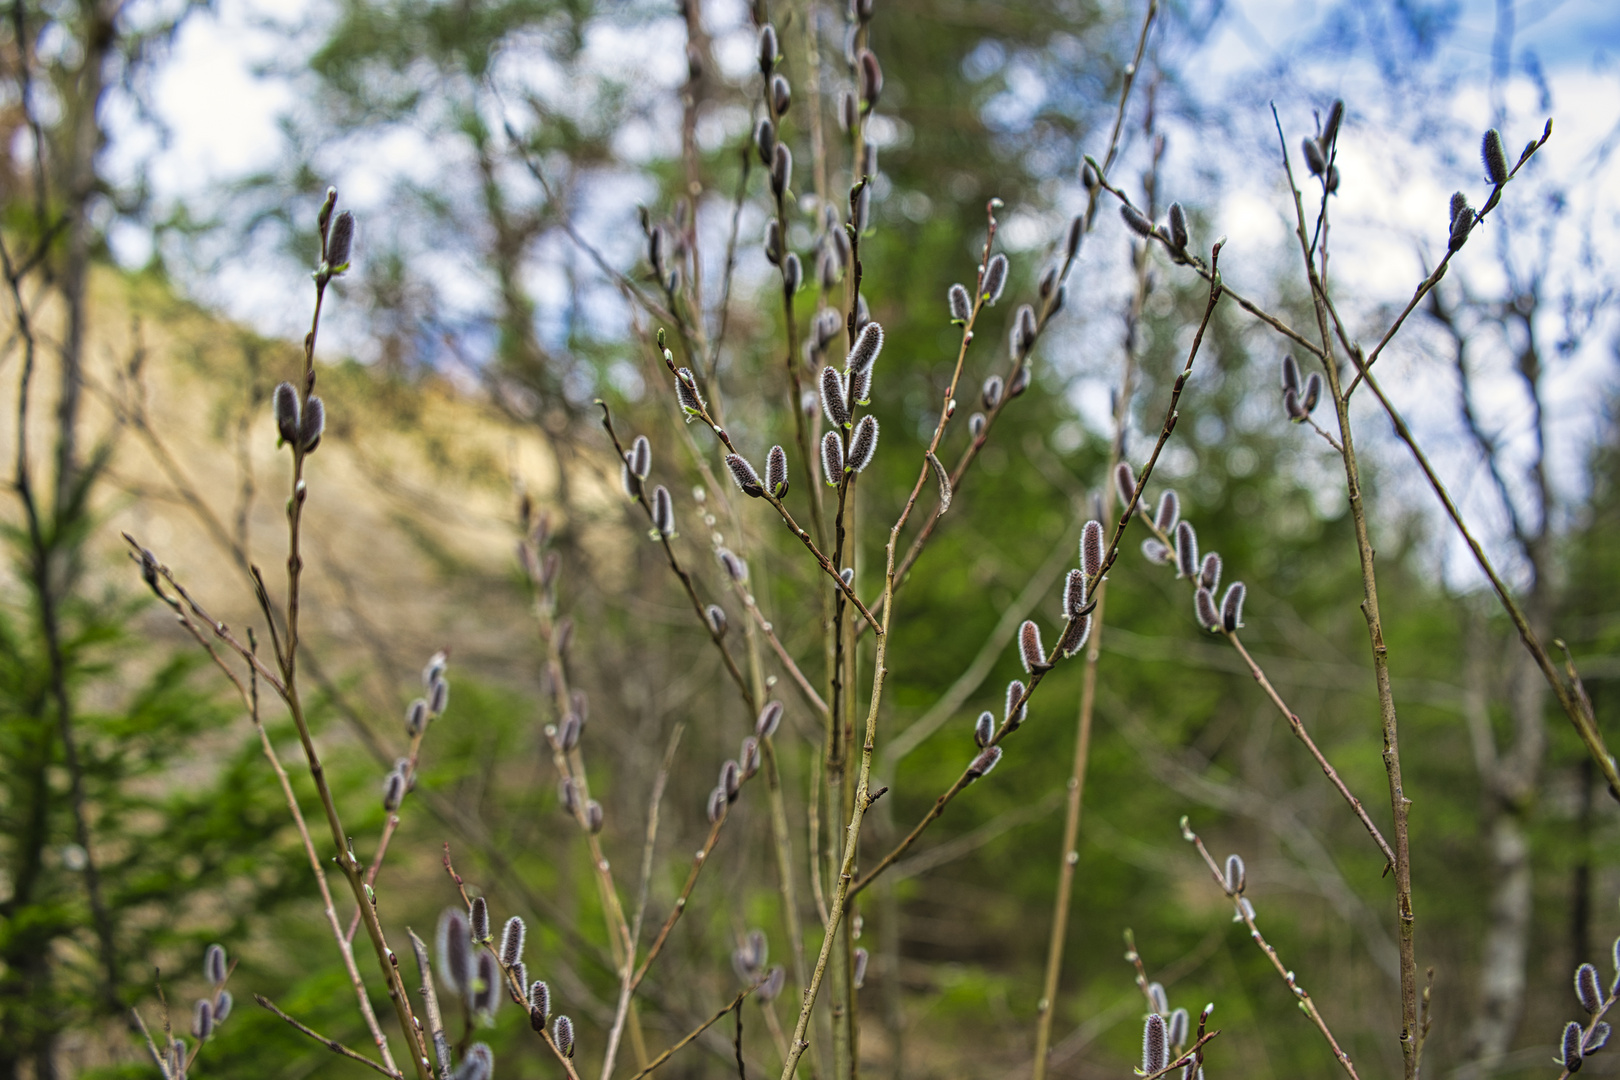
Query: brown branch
331, 1044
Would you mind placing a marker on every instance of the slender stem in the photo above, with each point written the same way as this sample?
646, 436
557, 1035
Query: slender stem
331, 1044
736, 1003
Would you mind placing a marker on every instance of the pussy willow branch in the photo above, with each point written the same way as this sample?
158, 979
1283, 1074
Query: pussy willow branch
675, 567
1048, 308
389, 826
699, 861
1591, 1026
1439, 271
1306, 1005
1411, 1036
1295, 724
518, 992
1069, 854
787, 518
1112, 552
331, 1044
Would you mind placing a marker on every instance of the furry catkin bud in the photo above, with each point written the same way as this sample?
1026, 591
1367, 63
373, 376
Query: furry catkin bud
730, 779
773, 242
860, 386
214, 967
1588, 991
1178, 227
770, 718
1204, 609
1313, 393
772, 986
1313, 156
438, 697
222, 1007
764, 142
512, 935
833, 403
1571, 1047
994, 280
1232, 607
641, 457
1091, 549
861, 214
1077, 231
826, 327
1088, 176
593, 817
862, 444
871, 79
781, 170
313, 424
285, 400
1234, 878
478, 921
1291, 405
1494, 157
1138, 224
1048, 282
1330, 126
1074, 594
715, 615
781, 94
1125, 481
717, 805
735, 568
1459, 203
202, 1020
1209, 574
832, 458
1175, 1027
340, 243
1021, 338
961, 306
393, 791
539, 1005
868, 343
1075, 633
981, 765
1169, 513
569, 795
520, 973
742, 471
686, 392
984, 728
663, 513
1186, 550
567, 737
976, 424
1597, 1040
768, 49
848, 111
1015, 695
1159, 1001
1290, 374
562, 1033
792, 274
1029, 647
859, 973
748, 757
1156, 552
1462, 223
479, 1064
1155, 1047
455, 951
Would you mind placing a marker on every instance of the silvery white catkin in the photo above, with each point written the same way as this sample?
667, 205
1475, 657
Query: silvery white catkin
858, 975
769, 718
593, 817
984, 728
1232, 607
832, 458
1021, 338
214, 966
1204, 609
285, 402
341, 241
1234, 878
716, 617
1178, 227
455, 952
717, 805
742, 471
1075, 633
961, 307
833, 403
1029, 647
562, 1033
981, 765
792, 274
202, 1020
1134, 219
773, 242
976, 424
1015, 694
768, 49
730, 779
772, 986
1091, 548
1125, 481
1077, 230
512, 936
1290, 374
1597, 1040
868, 343
991, 394
1571, 1047
764, 142
860, 385
1155, 1051
748, 756
641, 457
1209, 575
663, 513
313, 424
1169, 512
1313, 393
1176, 1027
1160, 1001
479, 1064
1494, 157
736, 569
1313, 156
871, 78
1186, 550
1588, 991
781, 95
686, 392
539, 1004
222, 1007
863, 444
995, 279
1074, 594
478, 921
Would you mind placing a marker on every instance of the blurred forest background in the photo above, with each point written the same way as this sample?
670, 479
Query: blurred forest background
499, 156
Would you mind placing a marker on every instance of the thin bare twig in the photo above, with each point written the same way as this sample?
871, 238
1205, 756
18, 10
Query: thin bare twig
331, 1044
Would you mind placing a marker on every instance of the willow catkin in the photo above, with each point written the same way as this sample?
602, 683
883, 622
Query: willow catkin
863, 444
832, 458
1029, 647
1091, 549
961, 307
1186, 550
995, 279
